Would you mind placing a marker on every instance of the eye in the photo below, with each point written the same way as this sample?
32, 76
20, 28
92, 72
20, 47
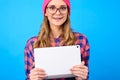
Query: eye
63, 8
52, 7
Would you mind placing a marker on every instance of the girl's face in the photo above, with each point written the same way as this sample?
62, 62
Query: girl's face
56, 12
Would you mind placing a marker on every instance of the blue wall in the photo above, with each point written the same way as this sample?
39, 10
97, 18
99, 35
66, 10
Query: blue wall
99, 20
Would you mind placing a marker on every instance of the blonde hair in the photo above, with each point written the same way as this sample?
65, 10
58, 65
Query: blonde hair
68, 37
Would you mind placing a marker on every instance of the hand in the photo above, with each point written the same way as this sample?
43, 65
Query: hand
37, 74
81, 71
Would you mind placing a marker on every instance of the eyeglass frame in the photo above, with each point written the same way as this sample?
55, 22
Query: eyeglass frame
57, 9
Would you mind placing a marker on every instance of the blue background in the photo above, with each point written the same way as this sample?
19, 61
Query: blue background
99, 20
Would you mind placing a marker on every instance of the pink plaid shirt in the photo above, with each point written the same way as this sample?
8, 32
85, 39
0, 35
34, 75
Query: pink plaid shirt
29, 54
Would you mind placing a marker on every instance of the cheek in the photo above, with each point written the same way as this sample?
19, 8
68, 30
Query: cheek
48, 16
46, 13
65, 17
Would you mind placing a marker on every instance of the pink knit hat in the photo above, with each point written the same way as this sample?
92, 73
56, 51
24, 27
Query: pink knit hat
45, 3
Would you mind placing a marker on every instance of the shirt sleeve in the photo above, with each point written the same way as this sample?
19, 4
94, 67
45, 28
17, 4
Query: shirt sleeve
85, 52
28, 58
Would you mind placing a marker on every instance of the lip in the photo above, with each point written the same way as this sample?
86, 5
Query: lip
57, 18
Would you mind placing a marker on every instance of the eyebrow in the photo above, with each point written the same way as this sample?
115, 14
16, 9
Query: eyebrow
60, 5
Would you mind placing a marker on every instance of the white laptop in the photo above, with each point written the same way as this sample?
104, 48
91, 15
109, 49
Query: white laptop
57, 61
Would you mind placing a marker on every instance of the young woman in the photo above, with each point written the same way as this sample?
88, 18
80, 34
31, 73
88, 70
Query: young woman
56, 31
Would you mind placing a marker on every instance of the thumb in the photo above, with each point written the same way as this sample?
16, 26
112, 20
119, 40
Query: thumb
83, 63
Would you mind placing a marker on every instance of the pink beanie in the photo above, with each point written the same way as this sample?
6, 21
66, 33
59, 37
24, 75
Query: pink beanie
45, 3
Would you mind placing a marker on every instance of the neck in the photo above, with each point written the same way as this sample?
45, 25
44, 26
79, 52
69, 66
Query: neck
56, 31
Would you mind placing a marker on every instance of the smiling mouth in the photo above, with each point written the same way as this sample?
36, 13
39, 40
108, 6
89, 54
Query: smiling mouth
57, 18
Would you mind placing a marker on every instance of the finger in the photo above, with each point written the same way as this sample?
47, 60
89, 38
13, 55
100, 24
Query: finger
83, 77
83, 73
37, 70
79, 67
37, 76
33, 78
80, 74
75, 69
83, 67
80, 71
37, 73
33, 70
83, 63
77, 74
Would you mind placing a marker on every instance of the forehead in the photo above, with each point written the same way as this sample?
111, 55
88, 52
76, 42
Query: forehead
57, 2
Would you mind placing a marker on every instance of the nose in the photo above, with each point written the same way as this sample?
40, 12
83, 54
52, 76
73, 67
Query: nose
58, 11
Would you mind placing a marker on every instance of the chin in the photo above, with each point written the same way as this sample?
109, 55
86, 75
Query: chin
58, 24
